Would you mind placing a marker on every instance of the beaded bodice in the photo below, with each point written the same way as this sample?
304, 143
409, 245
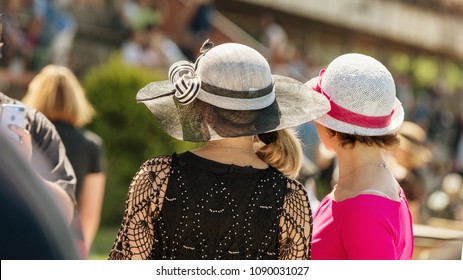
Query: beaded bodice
187, 207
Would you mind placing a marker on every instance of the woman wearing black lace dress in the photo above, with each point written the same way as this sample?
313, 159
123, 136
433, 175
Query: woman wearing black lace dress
236, 197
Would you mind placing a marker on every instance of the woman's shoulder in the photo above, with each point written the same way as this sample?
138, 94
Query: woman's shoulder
158, 160
366, 206
294, 183
293, 186
92, 137
155, 168
155, 165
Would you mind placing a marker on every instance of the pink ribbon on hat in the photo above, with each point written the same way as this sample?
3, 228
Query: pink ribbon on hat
347, 116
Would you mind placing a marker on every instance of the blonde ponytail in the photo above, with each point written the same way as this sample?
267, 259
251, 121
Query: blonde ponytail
284, 153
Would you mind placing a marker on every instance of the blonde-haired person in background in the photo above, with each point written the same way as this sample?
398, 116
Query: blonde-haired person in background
56, 92
235, 197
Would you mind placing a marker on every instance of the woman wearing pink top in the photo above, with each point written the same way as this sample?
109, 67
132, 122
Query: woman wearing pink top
366, 216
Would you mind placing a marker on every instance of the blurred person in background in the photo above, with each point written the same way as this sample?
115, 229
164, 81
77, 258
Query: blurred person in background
274, 37
316, 154
57, 93
366, 215
167, 51
452, 185
407, 162
284, 56
149, 47
199, 25
136, 50
457, 147
137, 14
55, 29
17, 50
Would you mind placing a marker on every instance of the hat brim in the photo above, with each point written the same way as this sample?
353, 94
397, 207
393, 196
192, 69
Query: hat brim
397, 119
296, 104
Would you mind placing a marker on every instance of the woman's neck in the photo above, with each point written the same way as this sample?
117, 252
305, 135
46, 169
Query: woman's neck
240, 144
238, 151
360, 168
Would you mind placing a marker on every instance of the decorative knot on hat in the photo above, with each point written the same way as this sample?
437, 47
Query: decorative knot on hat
186, 83
183, 76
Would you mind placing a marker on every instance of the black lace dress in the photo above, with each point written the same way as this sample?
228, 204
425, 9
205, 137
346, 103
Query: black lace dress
187, 207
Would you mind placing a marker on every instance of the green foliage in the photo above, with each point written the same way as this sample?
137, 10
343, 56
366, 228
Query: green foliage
428, 71
103, 243
129, 131
453, 74
425, 71
400, 63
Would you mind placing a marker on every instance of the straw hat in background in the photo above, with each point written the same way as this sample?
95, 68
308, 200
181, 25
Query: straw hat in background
413, 145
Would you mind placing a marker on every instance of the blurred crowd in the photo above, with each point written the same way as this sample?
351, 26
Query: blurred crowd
149, 45
46, 36
40, 32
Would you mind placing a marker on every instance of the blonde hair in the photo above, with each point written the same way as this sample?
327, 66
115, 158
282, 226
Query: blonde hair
57, 93
285, 153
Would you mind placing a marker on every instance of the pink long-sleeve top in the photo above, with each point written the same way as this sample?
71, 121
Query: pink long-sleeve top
365, 227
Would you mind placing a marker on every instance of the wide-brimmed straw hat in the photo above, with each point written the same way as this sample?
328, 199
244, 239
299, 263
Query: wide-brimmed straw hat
229, 92
362, 95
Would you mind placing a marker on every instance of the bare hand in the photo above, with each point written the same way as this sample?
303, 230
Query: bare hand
25, 141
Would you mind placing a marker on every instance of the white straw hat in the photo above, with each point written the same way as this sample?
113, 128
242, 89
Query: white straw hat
362, 95
229, 92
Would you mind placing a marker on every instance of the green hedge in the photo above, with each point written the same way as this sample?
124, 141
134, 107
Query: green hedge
130, 133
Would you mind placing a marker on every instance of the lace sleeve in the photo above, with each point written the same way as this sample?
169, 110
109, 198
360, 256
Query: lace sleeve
135, 238
295, 224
